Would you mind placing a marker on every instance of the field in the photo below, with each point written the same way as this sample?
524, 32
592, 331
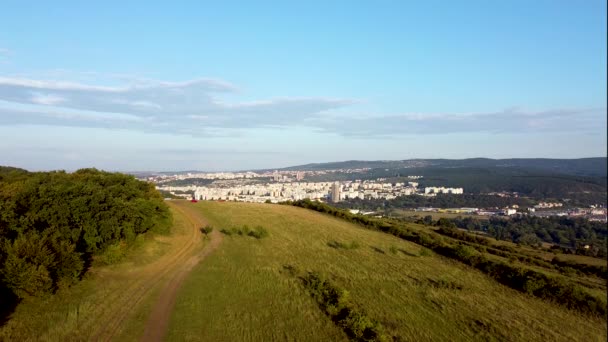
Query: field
245, 291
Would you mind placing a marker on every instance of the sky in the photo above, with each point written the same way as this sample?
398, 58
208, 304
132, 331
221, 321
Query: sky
227, 85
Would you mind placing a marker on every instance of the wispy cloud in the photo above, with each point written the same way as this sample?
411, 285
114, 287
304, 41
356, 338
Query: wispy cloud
508, 121
195, 107
179, 106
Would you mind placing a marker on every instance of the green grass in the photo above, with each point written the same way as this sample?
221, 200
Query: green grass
243, 291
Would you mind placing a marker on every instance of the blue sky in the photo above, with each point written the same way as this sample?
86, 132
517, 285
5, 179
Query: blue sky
241, 85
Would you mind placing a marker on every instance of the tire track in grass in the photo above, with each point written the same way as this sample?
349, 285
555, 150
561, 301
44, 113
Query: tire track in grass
150, 277
158, 322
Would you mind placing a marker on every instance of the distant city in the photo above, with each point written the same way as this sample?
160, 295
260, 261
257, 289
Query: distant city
292, 185
289, 185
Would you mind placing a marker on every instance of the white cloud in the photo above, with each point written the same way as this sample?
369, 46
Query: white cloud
179, 107
46, 99
508, 121
194, 108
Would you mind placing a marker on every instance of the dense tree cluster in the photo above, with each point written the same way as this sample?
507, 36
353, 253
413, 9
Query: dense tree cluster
572, 233
52, 224
447, 228
439, 201
189, 182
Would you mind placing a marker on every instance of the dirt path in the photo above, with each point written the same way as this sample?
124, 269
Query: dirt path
169, 272
158, 321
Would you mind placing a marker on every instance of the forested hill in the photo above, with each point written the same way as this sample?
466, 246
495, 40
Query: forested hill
52, 224
582, 167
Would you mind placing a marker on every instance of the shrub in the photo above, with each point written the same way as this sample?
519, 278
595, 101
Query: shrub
336, 303
246, 230
226, 231
466, 252
207, 229
258, 232
335, 244
339, 245
425, 252
113, 254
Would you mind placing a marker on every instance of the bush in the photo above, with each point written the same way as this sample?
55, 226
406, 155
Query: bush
113, 254
336, 303
226, 231
258, 233
425, 252
340, 245
207, 229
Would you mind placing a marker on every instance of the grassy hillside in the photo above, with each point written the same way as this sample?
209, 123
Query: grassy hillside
250, 289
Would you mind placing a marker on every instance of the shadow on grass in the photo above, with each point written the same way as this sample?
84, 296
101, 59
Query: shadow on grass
8, 303
376, 249
340, 245
407, 253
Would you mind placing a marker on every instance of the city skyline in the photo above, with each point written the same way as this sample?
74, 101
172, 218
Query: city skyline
213, 87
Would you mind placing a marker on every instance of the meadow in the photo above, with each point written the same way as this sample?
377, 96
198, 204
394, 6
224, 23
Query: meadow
251, 289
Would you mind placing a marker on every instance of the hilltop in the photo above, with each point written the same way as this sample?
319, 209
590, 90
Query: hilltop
581, 166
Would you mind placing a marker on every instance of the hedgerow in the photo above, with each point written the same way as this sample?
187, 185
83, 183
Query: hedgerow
336, 303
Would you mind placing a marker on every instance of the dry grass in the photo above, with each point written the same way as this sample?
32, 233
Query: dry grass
243, 292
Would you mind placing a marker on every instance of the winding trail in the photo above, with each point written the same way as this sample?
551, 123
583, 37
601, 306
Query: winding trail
169, 272
158, 321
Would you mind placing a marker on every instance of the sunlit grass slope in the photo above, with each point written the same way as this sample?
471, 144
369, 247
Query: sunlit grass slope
244, 292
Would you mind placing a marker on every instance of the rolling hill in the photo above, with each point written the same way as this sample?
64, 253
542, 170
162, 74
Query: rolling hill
580, 167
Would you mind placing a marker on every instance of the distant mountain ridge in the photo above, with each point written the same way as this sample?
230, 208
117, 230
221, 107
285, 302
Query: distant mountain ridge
595, 167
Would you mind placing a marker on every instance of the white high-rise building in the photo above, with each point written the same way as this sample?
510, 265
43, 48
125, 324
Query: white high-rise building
335, 192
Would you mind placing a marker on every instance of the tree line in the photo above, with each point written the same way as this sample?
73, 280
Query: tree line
572, 234
54, 224
439, 201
